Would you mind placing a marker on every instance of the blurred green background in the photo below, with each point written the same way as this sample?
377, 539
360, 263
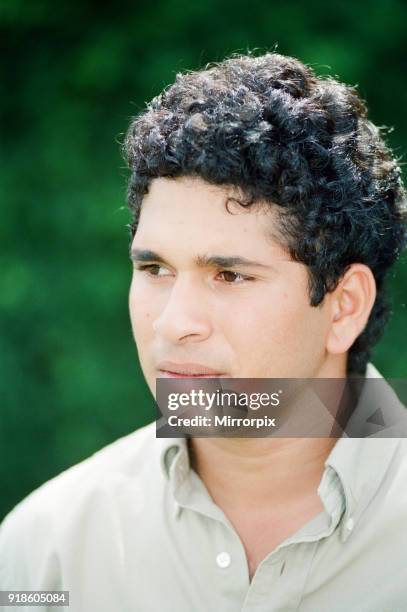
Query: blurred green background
73, 74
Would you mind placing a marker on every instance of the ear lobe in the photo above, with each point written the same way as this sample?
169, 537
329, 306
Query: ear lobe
352, 302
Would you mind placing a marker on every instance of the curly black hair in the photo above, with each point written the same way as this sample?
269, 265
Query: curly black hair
269, 126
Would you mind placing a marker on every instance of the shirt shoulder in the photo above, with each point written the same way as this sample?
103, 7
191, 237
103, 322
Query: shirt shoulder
380, 475
37, 528
397, 471
122, 458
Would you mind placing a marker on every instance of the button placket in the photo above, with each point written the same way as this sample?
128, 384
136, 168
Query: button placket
230, 568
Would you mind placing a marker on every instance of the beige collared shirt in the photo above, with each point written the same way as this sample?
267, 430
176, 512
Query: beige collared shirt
133, 528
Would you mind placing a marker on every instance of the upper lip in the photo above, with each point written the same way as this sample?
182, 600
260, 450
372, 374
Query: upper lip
186, 368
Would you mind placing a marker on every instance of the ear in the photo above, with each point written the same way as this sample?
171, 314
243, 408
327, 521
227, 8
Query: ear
351, 304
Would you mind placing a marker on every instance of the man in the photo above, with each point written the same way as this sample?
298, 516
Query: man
267, 212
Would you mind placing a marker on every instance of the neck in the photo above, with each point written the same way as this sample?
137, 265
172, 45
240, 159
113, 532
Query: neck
255, 473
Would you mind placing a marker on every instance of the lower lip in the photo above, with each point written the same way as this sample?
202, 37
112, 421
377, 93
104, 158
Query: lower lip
164, 374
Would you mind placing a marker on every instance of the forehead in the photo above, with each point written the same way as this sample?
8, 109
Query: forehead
189, 212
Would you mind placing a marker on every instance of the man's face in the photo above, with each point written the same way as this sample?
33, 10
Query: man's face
246, 321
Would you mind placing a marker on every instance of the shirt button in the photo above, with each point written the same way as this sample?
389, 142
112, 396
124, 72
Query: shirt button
350, 523
223, 559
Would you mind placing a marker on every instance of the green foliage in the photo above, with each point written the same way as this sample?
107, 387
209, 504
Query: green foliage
72, 75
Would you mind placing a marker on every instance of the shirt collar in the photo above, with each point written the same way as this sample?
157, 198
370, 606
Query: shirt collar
169, 449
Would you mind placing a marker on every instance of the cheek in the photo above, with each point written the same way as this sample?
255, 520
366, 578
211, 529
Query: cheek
273, 311
273, 320
141, 308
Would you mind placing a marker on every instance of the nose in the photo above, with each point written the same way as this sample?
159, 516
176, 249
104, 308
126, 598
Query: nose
185, 316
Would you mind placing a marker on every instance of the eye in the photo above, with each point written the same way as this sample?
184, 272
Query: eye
151, 269
230, 277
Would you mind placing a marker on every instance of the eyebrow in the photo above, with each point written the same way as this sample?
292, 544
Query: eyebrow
202, 261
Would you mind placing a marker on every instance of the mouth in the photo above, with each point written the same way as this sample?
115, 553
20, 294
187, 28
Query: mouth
168, 369
167, 374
